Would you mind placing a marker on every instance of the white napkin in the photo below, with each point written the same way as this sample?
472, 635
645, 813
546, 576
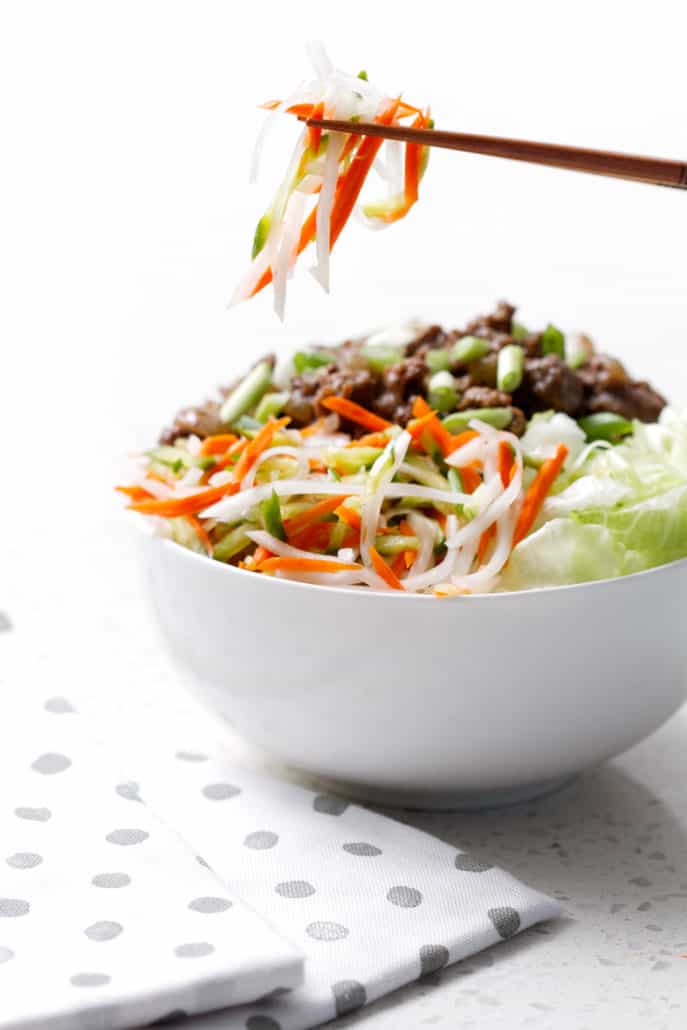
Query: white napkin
372, 904
107, 918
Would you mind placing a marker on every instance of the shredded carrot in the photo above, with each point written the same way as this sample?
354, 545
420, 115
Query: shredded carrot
313, 538
349, 515
410, 555
201, 533
217, 444
411, 188
227, 459
316, 465
159, 477
256, 446
314, 514
398, 565
537, 491
356, 413
135, 493
314, 131
261, 554
288, 564
417, 426
440, 435
370, 440
506, 462
484, 541
470, 478
347, 190
383, 570
170, 507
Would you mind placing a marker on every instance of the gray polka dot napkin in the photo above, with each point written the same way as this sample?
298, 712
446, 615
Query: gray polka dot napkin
373, 904
285, 908
107, 918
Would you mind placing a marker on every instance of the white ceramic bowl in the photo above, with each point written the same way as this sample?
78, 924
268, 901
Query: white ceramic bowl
419, 701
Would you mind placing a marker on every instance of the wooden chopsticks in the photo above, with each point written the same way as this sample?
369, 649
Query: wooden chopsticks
656, 170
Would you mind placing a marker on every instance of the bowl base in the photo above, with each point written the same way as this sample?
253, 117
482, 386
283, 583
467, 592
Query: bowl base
450, 801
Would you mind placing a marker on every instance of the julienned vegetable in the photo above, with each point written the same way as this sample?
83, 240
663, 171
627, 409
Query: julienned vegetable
434, 507
326, 175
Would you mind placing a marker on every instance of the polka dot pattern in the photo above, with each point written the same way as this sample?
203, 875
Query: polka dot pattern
349, 995
111, 880
506, 920
131, 898
295, 889
51, 763
220, 791
36, 815
209, 905
11, 908
105, 930
433, 957
404, 897
362, 850
125, 838
24, 860
261, 840
325, 931
329, 805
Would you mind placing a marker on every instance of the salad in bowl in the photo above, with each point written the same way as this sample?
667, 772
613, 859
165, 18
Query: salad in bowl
419, 460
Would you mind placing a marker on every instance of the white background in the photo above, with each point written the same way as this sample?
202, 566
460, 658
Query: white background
125, 221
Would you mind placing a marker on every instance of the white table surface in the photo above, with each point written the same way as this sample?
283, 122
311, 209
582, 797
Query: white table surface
126, 222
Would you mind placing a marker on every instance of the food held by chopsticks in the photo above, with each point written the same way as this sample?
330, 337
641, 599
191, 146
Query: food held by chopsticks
428, 461
326, 174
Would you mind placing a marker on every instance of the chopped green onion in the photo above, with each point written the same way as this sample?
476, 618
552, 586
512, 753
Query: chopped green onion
247, 393
270, 510
553, 341
333, 474
233, 543
261, 232
247, 425
362, 75
349, 460
442, 395
519, 331
605, 425
306, 361
499, 418
379, 356
438, 360
271, 404
455, 481
469, 348
576, 353
509, 367
206, 462
171, 457
395, 544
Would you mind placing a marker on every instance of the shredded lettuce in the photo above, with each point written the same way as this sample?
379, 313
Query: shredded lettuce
623, 510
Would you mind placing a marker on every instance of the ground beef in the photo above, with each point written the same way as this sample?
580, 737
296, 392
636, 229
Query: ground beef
608, 387
548, 383
484, 397
401, 384
501, 319
310, 389
601, 384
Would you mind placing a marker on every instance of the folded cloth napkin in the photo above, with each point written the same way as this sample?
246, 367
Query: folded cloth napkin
373, 904
107, 919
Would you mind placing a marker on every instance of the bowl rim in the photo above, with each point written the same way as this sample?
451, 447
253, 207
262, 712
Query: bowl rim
148, 530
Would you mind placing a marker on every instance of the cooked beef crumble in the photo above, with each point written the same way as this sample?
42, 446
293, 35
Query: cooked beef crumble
601, 383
